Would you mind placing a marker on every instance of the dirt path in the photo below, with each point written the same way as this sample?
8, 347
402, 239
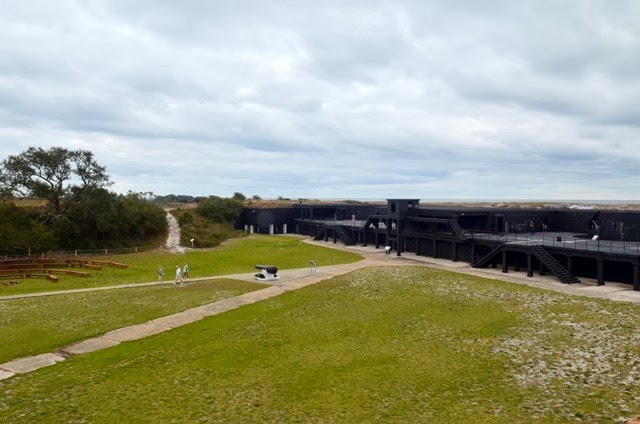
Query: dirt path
173, 240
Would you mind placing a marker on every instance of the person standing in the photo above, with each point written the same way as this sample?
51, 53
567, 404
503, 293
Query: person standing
178, 275
160, 274
185, 271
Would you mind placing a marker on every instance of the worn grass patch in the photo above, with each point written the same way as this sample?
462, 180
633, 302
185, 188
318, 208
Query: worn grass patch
37, 325
236, 256
406, 344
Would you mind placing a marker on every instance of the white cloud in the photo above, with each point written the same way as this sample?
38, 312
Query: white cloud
332, 99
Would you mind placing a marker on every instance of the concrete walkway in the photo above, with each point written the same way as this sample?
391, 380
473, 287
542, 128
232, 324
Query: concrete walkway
292, 280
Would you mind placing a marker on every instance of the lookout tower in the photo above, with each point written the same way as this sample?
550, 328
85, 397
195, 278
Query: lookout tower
398, 211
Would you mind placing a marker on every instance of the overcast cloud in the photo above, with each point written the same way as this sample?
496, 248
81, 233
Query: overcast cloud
332, 99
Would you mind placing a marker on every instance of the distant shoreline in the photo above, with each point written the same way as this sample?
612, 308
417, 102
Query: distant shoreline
612, 205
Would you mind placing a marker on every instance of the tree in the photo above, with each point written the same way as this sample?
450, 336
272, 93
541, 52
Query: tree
51, 174
80, 211
19, 233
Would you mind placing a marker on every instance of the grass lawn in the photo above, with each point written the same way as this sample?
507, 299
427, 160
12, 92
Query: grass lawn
45, 324
394, 344
234, 257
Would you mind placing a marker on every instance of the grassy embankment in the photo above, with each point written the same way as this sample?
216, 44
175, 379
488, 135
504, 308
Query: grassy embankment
235, 256
406, 344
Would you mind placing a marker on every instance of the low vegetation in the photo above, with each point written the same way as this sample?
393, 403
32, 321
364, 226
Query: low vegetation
393, 344
205, 232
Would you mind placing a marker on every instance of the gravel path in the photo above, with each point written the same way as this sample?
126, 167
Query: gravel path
173, 240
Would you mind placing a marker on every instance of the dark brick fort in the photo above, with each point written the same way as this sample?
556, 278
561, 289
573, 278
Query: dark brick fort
599, 244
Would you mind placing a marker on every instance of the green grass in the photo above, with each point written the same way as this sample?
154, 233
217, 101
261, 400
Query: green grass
233, 257
395, 344
44, 324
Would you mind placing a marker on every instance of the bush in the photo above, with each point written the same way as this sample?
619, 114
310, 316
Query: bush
19, 233
205, 232
220, 210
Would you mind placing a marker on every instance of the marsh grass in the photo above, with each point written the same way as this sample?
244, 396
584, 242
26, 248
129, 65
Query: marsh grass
391, 344
236, 256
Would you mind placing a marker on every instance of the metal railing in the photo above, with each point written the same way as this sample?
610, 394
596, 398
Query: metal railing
86, 252
358, 223
566, 241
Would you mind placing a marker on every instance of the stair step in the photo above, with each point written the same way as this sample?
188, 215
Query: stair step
553, 265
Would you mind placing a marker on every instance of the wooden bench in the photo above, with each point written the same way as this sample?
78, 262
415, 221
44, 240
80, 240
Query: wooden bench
59, 271
68, 272
49, 277
43, 265
110, 263
90, 266
14, 275
36, 275
13, 262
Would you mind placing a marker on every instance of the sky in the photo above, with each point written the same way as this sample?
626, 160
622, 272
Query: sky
332, 99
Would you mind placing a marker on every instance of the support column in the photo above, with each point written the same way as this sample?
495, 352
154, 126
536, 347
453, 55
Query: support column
435, 248
600, 272
387, 238
505, 266
284, 228
375, 235
271, 229
636, 278
529, 265
473, 251
250, 229
454, 248
418, 246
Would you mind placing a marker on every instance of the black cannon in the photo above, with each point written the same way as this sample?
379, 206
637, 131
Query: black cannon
267, 272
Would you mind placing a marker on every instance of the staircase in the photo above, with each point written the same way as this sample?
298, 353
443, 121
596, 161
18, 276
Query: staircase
484, 260
340, 232
320, 234
553, 265
457, 229
344, 235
